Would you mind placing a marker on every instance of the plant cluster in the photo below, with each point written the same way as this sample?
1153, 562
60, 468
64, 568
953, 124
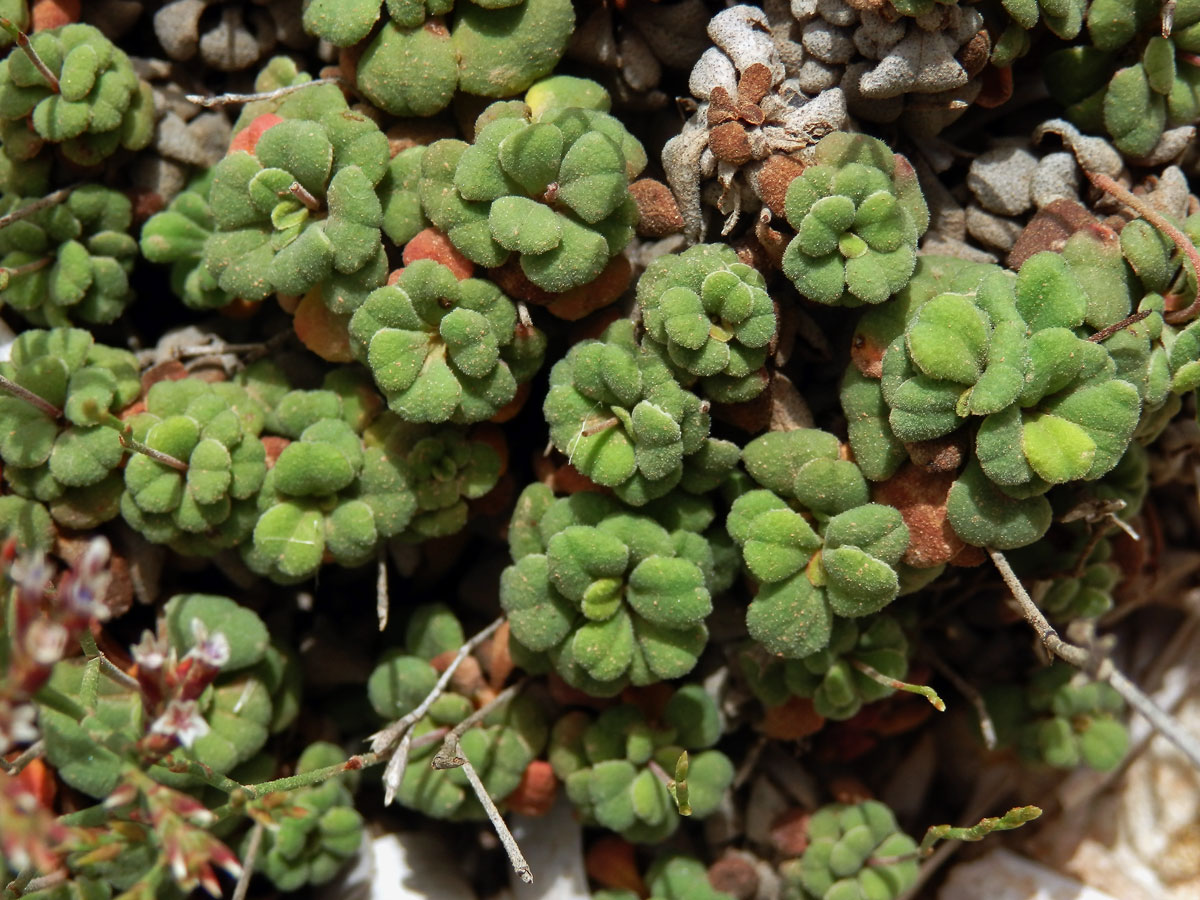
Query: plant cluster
72, 88
621, 770
762, 482
1134, 79
415, 62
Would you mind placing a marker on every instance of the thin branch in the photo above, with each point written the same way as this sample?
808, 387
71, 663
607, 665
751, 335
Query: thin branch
986, 726
445, 758
46, 882
22, 40
128, 442
28, 755
383, 741
7, 274
381, 588
304, 195
17, 886
23, 393
248, 860
1101, 669
887, 681
519, 864
597, 427
1159, 221
51, 199
1109, 330
231, 99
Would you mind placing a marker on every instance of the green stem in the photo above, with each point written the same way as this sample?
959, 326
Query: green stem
59, 702
887, 681
203, 772
240, 794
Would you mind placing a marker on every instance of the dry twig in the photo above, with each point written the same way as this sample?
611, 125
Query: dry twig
1100, 668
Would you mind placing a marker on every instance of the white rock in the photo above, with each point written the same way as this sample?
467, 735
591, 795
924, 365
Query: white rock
1002, 875
828, 43
1000, 179
837, 12
406, 866
741, 31
1057, 175
713, 69
553, 846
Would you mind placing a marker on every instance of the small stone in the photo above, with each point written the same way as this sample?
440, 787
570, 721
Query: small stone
177, 25
1000, 179
200, 142
815, 76
992, 230
1056, 176
735, 875
828, 43
837, 12
1003, 875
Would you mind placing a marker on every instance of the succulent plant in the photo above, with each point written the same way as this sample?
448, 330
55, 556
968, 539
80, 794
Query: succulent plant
1078, 586
226, 724
614, 765
551, 187
506, 741
414, 63
444, 468
1133, 80
27, 523
440, 348
315, 830
806, 578
95, 105
850, 855
177, 236
69, 262
1062, 718
618, 414
712, 317
328, 493
838, 688
611, 596
858, 213
213, 429
672, 877
298, 209
69, 462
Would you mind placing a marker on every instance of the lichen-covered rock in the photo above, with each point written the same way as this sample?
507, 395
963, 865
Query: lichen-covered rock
551, 187
607, 764
612, 597
69, 263
98, 105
